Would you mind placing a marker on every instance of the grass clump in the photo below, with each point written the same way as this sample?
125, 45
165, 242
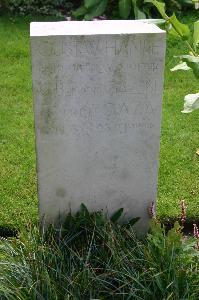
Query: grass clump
92, 257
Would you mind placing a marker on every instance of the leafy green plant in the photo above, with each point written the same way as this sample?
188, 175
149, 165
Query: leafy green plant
189, 61
179, 5
120, 8
176, 258
123, 9
39, 7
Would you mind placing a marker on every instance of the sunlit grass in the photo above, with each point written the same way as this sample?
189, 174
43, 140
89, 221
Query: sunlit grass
179, 164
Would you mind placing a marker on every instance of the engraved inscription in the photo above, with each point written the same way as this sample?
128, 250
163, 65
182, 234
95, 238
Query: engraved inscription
96, 47
118, 94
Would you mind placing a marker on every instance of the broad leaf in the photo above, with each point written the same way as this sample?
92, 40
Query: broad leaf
196, 34
169, 28
91, 3
133, 221
147, 11
100, 219
124, 8
182, 29
191, 102
115, 217
140, 14
81, 11
83, 210
137, 12
181, 66
97, 10
160, 7
135, 9
192, 62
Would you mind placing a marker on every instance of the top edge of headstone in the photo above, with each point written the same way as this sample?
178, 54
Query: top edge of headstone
92, 27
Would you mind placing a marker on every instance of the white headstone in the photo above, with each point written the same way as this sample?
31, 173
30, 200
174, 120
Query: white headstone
97, 100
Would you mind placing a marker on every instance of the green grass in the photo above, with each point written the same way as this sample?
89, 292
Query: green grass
17, 163
179, 165
92, 257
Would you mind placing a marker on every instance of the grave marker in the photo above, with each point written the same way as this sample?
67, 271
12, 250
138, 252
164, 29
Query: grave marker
97, 89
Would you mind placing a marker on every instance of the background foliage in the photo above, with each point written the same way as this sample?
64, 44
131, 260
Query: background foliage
39, 7
124, 9
88, 9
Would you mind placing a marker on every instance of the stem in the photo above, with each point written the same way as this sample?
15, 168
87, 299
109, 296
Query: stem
187, 43
191, 49
167, 18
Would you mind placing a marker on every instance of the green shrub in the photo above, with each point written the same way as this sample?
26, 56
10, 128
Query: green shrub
40, 7
88, 9
176, 259
124, 9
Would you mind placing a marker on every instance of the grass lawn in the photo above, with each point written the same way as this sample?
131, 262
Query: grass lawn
179, 165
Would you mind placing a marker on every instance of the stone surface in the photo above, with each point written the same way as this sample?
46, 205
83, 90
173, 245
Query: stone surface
97, 90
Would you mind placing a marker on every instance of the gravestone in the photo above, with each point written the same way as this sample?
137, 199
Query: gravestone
97, 89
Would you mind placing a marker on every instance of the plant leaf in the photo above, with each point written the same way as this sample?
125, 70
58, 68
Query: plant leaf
180, 66
191, 103
169, 28
83, 210
192, 62
133, 221
79, 12
116, 215
100, 219
139, 14
91, 3
124, 8
160, 7
96, 11
196, 34
177, 28
182, 29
